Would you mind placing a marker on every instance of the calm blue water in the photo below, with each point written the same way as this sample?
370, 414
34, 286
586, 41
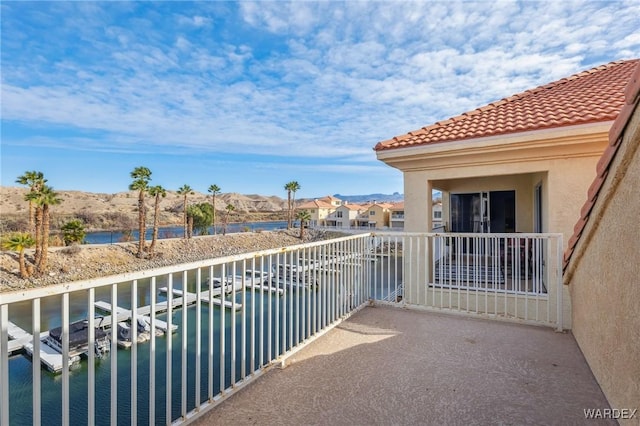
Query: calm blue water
290, 332
110, 237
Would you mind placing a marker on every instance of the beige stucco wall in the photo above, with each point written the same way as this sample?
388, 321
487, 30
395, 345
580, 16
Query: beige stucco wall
564, 181
605, 281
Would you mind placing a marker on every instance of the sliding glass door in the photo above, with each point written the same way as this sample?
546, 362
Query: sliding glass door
493, 211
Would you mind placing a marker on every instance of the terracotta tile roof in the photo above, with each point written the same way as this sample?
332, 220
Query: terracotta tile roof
631, 102
330, 198
352, 206
316, 204
591, 96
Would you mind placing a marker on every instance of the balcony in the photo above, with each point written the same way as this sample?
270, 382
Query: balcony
387, 366
183, 339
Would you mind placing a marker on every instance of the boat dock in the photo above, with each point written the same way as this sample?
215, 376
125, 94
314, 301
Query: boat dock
49, 357
125, 314
19, 338
204, 297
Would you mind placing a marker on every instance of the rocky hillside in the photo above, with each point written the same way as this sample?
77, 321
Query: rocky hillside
83, 262
119, 210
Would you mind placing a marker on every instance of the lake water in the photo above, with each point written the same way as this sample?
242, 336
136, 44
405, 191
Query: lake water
110, 237
270, 313
20, 367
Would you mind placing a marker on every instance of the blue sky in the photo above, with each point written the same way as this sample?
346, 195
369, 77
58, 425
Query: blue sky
252, 95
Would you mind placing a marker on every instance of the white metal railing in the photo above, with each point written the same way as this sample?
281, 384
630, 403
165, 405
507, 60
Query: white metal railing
226, 321
195, 333
510, 276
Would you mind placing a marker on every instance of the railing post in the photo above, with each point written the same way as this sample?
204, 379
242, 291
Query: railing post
560, 307
4, 364
91, 380
65, 358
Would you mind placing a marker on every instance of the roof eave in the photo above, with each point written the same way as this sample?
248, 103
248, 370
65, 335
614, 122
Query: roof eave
569, 134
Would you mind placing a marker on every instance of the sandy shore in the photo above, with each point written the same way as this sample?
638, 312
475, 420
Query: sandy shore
92, 261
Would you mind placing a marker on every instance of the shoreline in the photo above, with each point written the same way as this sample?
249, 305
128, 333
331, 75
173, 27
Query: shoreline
87, 261
171, 225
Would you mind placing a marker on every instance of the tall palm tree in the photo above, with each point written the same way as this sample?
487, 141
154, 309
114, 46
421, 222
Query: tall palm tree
34, 199
185, 190
48, 197
214, 189
34, 180
157, 192
291, 188
303, 216
295, 186
228, 209
141, 177
19, 242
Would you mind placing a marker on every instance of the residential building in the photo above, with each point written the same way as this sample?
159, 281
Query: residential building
520, 164
436, 215
602, 262
375, 216
397, 216
320, 209
524, 164
344, 216
335, 202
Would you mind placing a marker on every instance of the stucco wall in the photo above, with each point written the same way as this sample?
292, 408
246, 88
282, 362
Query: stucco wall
605, 285
568, 181
565, 184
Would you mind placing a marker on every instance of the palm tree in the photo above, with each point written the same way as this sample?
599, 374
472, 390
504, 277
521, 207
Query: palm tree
73, 232
47, 197
185, 190
295, 186
141, 177
214, 189
228, 209
291, 188
34, 180
34, 199
303, 216
19, 242
157, 192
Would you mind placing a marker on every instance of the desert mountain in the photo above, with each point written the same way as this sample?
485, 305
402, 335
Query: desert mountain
12, 201
100, 210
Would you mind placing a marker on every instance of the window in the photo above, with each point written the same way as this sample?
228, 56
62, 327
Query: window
372, 213
338, 214
313, 210
437, 214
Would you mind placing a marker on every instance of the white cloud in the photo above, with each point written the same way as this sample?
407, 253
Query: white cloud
340, 77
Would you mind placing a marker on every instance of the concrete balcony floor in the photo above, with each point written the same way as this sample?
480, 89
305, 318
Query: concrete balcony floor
389, 366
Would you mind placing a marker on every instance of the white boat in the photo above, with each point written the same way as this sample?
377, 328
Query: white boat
143, 332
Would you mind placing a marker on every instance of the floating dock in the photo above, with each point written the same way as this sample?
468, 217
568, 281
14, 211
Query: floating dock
20, 340
204, 297
125, 315
49, 357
